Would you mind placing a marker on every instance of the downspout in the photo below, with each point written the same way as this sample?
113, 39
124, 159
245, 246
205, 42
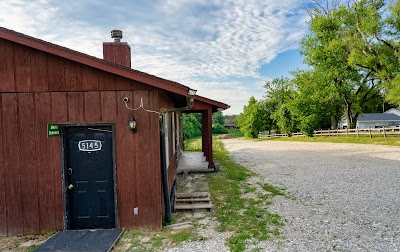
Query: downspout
164, 175
164, 172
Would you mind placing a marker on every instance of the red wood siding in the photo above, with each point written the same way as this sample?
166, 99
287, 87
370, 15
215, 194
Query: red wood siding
23, 69
7, 83
59, 103
3, 213
46, 194
28, 168
49, 89
12, 164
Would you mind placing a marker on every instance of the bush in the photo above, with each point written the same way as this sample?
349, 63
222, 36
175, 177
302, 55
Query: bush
191, 127
219, 129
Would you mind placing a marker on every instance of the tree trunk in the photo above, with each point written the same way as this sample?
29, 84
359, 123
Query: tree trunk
347, 113
334, 122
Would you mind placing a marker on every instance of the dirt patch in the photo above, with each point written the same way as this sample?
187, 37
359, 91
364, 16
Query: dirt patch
22, 243
225, 136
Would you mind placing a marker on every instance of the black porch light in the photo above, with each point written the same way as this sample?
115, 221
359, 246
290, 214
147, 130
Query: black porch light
132, 124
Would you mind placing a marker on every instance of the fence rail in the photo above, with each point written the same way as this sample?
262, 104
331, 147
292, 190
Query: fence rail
341, 132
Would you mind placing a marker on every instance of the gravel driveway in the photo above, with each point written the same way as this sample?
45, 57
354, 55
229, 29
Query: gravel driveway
346, 197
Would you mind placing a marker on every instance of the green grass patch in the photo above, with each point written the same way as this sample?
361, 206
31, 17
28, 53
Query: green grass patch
145, 241
194, 144
246, 217
235, 133
272, 189
362, 139
32, 248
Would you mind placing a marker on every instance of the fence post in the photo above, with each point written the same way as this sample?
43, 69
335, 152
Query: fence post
347, 132
370, 134
357, 131
329, 132
337, 132
384, 133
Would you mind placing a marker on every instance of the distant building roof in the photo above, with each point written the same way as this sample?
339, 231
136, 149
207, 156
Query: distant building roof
378, 117
393, 111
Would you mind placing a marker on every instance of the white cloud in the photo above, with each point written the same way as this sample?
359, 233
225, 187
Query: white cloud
187, 41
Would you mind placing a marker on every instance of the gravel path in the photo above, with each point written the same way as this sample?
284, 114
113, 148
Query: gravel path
346, 197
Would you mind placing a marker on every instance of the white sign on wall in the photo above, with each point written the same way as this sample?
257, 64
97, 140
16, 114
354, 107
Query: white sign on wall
89, 145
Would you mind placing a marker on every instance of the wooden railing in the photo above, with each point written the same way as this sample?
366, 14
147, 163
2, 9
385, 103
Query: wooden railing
344, 132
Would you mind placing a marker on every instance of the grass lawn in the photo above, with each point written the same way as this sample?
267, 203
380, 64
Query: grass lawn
362, 139
241, 200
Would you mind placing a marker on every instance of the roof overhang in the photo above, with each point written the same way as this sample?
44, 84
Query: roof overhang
93, 61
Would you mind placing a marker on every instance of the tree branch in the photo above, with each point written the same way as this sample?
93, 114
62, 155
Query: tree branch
386, 43
368, 45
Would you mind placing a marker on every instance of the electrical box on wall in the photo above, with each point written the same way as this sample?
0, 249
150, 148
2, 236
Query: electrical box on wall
136, 211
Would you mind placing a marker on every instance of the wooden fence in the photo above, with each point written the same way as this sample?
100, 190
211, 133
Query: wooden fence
343, 132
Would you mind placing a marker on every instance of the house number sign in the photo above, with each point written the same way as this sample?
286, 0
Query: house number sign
89, 145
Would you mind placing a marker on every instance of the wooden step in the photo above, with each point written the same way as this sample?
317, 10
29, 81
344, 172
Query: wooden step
192, 195
192, 199
192, 206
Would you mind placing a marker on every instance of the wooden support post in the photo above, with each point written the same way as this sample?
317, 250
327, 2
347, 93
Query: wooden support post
204, 146
329, 132
370, 134
357, 131
384, 133
337, 132
347, 132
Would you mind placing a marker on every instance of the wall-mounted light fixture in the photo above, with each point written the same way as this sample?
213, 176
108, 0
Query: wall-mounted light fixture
190, 97
132, 124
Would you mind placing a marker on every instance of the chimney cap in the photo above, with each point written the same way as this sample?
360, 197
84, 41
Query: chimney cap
116, 35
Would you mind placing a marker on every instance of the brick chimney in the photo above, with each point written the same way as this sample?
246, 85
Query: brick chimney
117, 52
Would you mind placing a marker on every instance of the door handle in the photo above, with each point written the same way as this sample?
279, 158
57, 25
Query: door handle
70, 186
69, 171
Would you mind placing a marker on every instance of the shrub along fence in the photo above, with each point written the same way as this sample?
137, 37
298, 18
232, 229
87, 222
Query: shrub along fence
343, 132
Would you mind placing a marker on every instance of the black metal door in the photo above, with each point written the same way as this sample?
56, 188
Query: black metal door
89, 177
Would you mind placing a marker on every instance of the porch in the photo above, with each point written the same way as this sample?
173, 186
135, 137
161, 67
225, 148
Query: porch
193, 161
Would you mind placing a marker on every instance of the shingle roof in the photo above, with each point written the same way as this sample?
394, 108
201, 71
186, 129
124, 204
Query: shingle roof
378, 117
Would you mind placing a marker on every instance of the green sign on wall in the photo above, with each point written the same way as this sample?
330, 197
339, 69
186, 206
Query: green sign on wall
53, 130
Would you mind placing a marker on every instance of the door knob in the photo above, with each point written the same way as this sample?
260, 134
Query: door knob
70, 186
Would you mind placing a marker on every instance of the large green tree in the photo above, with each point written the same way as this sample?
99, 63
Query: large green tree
346, 45
253, 119
317, 104
279, 95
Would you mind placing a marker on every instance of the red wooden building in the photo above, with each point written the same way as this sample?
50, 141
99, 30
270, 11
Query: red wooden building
82, 141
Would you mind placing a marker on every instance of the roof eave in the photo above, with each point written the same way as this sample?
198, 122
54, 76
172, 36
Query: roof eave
93, 61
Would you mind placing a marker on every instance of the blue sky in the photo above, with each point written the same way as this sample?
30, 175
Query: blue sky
226, 49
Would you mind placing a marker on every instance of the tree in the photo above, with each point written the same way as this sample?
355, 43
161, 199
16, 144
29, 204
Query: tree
354, 47
375, 44
280, 93
230, 119
218, 118
317, 105
253, 118
191, 126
